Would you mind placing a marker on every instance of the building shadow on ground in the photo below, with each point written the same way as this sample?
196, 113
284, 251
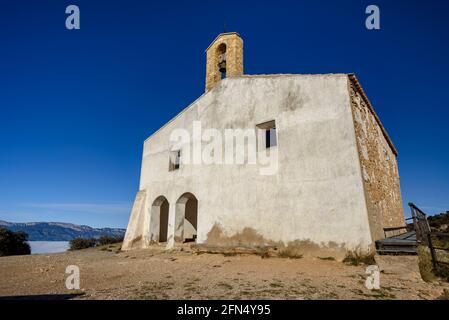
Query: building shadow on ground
43, 297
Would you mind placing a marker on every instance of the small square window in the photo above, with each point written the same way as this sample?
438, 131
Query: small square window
174, 160
269, 135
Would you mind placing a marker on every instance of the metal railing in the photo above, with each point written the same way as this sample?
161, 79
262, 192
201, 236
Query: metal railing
424, 236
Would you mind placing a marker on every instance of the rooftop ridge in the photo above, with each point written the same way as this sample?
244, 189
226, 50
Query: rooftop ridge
220, 35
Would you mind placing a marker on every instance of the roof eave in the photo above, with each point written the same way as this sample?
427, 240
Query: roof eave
356, 82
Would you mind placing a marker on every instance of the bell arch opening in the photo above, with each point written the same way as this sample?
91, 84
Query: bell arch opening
221, 58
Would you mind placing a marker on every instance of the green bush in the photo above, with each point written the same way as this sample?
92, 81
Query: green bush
105, 240
13, 243
82, 243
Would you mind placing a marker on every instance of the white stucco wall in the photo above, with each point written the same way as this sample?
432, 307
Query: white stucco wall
317, 194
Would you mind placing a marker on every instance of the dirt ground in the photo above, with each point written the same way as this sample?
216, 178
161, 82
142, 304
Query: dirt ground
108, 273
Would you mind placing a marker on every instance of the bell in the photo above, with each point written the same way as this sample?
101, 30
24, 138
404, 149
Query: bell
222, 66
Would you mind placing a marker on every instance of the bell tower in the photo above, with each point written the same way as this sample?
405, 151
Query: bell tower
224, 58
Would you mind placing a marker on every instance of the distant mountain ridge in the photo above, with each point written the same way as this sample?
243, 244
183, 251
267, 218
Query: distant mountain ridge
60, 231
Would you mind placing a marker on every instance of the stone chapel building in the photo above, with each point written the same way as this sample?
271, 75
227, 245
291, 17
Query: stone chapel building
335, 186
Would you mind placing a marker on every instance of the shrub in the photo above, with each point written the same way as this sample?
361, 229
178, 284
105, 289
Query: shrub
82, 243
355, 258
104, 240
425, 264
444, 272
290, 252
13, 243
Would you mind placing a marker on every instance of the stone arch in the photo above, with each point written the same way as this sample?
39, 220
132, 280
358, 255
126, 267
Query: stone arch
159, 220
221, 48
186, 218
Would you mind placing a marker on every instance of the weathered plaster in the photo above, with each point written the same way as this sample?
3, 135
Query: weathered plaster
379, 166
250, 238
317, 196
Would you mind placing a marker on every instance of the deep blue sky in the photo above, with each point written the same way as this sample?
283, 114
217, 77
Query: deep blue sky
76, 106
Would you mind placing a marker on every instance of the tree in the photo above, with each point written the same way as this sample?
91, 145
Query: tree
13, 243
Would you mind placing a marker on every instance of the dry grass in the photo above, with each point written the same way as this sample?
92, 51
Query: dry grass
327, 258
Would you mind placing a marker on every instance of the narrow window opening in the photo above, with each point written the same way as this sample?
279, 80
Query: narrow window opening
270, 138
